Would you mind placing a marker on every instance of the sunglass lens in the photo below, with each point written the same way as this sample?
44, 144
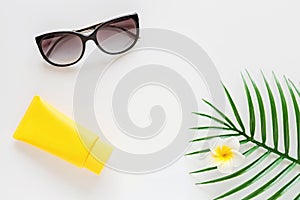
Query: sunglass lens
62, 48
117, 36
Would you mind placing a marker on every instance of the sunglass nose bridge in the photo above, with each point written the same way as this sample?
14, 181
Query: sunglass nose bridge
88, 34
92, 37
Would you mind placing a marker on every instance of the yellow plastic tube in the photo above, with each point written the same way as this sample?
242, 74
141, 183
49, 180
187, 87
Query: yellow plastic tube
48, 129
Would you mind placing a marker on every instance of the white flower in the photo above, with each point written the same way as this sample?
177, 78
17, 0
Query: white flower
224, 153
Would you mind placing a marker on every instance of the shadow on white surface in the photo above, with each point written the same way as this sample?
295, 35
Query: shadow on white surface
61, 170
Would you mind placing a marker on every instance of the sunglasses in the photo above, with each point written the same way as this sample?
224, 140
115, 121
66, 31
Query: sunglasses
65, 48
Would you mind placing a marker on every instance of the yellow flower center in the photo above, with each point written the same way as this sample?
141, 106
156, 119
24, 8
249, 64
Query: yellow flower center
223, 153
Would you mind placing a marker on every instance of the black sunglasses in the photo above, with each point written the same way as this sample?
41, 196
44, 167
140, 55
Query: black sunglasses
65, 48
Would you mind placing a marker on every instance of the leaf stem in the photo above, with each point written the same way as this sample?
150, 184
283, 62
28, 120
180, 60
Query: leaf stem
285, 155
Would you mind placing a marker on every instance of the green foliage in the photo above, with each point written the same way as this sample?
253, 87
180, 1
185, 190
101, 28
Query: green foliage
227, 125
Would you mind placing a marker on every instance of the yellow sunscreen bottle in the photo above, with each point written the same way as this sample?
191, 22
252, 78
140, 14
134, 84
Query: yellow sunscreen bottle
48, 129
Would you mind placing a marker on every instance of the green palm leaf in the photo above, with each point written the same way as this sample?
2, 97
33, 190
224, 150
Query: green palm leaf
285, 188
297, 90
252, 121
220, 113
227, 125
213, 118
236, 112
241, 171
273, 111
253, 179
271, 182
297, 114
263, 127
285, 117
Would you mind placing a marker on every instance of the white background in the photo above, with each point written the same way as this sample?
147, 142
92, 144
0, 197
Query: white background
236, 35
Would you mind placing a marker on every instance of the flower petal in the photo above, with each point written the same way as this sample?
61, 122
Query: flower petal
237, 158
233, 143
215, 143
226, 167
210, 161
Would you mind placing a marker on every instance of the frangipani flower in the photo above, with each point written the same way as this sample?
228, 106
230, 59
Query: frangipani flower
224, 154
